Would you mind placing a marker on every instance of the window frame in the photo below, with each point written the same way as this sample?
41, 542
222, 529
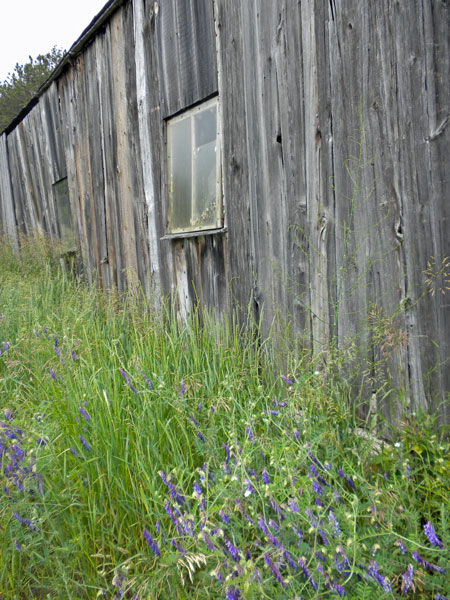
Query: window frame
186, 230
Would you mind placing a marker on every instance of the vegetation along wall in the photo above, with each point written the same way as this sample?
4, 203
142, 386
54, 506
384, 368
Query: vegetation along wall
290, 154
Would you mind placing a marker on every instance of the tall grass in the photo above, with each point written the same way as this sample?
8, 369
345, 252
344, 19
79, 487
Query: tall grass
144, 457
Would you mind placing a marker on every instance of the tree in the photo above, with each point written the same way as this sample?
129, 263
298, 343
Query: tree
20, 86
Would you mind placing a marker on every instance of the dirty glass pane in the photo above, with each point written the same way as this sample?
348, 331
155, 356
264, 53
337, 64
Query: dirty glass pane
204, 205
193, 165
64, 214
180, 174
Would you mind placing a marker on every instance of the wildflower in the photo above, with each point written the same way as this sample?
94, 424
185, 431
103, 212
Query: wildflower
73, 355
407, 579
74, 452
148, 382
183, 389
426, 565
274, 570
306, 573
128, 381
208, 542
83, 441
289, 560
224, 516
248, 490
286, 380
52, 373
441, 597
200, 436
199, 407
372, 571
401, 545
84, 413
432, 537
197, 488
337, 498
153, 546
347, 479
8, 414
27, 522
294, 508
232, 549
196, 423
332, 519
227, 450
41, 442
17, 546
315, 461
249, 433
232, 593
340, 590
177, 546
35, 333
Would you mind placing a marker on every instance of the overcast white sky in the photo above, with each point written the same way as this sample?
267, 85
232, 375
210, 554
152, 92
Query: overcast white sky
32, 27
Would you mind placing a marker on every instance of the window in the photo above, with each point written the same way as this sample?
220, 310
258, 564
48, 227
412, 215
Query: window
64, 214
194, 173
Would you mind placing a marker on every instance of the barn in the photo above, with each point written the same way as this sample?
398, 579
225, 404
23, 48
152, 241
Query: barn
283, 157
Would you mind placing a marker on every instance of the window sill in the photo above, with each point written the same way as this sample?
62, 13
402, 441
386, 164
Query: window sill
192, 234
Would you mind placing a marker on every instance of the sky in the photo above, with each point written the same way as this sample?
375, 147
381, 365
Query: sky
32, 27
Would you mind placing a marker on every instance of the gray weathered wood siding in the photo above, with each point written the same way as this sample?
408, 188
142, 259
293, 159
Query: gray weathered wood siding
335, 145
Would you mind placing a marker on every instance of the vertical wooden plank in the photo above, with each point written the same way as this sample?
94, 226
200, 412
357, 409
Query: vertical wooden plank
8, 218
144, 107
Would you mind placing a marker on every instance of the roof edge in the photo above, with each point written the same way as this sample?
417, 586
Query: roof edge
75, 49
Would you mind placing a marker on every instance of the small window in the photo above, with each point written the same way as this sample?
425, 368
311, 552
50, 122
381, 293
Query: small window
194, 173
64, 214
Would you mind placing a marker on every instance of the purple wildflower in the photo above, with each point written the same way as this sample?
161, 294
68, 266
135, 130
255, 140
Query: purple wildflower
27, 522
286, 380
337, 498
227, 450
232, 593
347, 479
8, 414
232, 549
41, 442
340, 590
73, 355
208, 542
177, 546
407, 579
275, 571
197, 488
196, 423
148, 382
249, 433
401, 545
289, 559
372, 571
332, 519
128, 381
294, 508
225, 518
441, 597
35, 333
153, 546
249, 489
183, 389
74, 452
297, 434
200, 436
306, 573
84, 413
199, 407
17, 546
426, 565
431, 535
83, 441
315, 460
52, 373
265, 477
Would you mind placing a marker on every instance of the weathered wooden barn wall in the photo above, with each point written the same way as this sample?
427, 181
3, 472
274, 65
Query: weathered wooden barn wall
335, 145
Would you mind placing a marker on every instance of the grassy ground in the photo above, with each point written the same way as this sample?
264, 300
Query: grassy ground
146, 458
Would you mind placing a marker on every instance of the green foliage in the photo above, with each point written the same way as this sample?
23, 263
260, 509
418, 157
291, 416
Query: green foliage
123, 430
21, 85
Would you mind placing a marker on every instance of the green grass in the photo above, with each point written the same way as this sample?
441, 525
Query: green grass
282, 482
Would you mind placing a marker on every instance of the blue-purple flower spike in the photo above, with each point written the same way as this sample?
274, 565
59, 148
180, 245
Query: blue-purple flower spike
153, 546
84, 413
431, 535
